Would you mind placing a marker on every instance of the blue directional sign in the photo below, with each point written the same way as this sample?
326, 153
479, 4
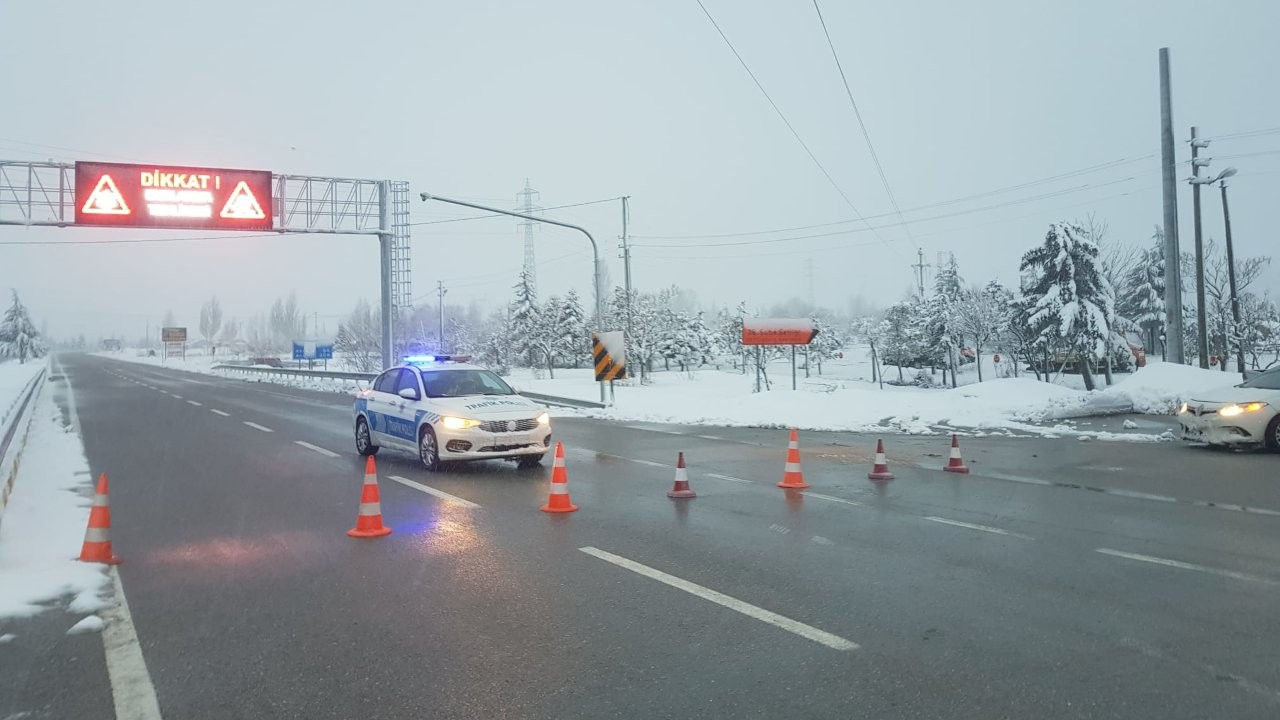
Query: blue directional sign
310, 350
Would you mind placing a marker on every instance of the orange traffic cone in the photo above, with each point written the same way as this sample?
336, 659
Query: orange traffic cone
97, 537
956, 463
681, 488
369, 519
792, 476
558, 499
880, 471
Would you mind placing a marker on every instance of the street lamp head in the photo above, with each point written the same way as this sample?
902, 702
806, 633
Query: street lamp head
425, 196
1226, 173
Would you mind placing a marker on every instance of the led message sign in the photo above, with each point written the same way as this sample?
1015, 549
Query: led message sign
121, 195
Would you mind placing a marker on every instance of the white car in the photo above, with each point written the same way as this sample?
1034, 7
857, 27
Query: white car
1246, 414
448, 411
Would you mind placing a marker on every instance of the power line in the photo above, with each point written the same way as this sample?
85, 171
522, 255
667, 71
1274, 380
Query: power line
783, 117
493, 215
1246, 134
1019, 201
1110, 164
875, 158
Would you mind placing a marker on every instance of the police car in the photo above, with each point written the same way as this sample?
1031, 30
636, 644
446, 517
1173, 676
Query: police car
446, 410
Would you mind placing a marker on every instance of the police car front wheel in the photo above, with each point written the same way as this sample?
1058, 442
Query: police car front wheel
428, 449
364, 442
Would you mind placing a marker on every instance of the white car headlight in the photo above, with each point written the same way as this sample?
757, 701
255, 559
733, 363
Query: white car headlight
457, 423
544, 419
1234, 410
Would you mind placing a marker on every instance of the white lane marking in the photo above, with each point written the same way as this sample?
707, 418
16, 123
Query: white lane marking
432, 491
316, 448
819, 540
710, 437
781, 530
256, 426
730, 478
1186, 566
193, 402
650, 463
219, 412
807, 632
131, 687
175, 396
972, 526
832, 498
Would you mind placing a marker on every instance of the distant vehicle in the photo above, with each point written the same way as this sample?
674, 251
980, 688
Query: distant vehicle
269, 361
449, 411
1243, 415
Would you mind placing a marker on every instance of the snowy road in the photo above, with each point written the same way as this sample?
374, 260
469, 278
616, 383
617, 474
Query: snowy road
1060, 579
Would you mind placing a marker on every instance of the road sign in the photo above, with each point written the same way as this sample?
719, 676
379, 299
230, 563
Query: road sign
173, 334
777, 331
311, 350
609, 349
124, 195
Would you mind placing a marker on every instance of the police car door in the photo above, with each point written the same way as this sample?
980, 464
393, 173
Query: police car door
402, 421
381, 408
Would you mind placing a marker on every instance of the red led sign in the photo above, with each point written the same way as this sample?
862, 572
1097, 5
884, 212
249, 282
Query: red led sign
120, 195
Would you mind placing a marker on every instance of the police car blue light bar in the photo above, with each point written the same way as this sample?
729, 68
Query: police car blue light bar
426, 359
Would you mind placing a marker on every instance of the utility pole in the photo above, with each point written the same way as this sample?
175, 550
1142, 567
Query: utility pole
1172, 269
527, 206
440, 293
1231, 277
1202, 335
626, 270
920, 266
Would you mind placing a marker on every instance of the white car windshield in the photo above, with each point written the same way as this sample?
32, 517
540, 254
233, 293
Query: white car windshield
460, 383
1269, 380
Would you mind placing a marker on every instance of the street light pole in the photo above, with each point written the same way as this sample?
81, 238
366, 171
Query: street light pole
1231, 277
1202, 335
595, 250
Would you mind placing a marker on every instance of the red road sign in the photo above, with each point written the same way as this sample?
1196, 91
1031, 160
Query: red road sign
777, 331
122, 195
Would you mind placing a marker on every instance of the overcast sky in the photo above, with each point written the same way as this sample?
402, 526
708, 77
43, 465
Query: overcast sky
594, 100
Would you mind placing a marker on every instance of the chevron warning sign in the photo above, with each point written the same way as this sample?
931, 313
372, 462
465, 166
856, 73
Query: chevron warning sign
609, 350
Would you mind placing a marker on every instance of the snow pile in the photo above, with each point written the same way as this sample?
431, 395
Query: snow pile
44, 525
91, 623
1159, 388
14, 378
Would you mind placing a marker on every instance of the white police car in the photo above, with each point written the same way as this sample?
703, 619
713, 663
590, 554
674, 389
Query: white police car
447, 411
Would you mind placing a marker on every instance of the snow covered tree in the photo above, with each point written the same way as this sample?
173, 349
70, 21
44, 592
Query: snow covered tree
900, 341
461, 334
524, 320
1140, 297
1223, 333
359, 338
210, 320
976, 315
727, 338
285, 322
942, 338
573, 340
18, 335
1071, 300
825, 345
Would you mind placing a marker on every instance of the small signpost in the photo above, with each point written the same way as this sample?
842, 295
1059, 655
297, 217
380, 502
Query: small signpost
609, 353
175, 342
776, 331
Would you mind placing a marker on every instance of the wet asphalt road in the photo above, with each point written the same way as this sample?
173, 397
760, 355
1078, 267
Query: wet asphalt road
1062, 579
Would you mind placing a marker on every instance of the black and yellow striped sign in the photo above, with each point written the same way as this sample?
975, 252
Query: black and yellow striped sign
608, 367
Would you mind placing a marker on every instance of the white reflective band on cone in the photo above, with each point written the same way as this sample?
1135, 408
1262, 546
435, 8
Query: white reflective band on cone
558, 462
955, 452
793, 445
372, 508
96, 535
101, 501
559, 488
370, 479
681, 474
880, 458
793, 467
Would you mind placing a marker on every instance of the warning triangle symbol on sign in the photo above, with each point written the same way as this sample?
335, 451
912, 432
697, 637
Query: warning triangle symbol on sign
242, 205
105, 199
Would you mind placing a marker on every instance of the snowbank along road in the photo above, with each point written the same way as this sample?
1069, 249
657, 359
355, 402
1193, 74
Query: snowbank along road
1059, 579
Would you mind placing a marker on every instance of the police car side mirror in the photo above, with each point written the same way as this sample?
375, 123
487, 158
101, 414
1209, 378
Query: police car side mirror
408, 393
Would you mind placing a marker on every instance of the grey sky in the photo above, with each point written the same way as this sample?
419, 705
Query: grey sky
593, 100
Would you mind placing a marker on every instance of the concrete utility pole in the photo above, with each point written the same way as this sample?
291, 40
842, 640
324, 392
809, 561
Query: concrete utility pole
1202, 334
595, 251
1172, 269
626, 258
440, 293
1231, 275
920, 266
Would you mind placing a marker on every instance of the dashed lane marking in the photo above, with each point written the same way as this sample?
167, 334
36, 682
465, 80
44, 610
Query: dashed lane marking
256, 426
832, 498
175, 396
432, 491
796, 627
215, 411
1187, 566
316, 448
193, 402
980, 528
730, 478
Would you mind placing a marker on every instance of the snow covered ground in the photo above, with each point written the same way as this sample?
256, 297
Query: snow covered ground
14, 378
844, 398
44, 524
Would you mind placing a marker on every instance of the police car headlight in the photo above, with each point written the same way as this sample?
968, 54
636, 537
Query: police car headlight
544, 419
457, 423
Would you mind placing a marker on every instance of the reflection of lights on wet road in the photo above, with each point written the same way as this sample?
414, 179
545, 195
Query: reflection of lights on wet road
240, 553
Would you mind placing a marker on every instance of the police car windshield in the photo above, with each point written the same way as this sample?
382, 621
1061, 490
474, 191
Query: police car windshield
461, 383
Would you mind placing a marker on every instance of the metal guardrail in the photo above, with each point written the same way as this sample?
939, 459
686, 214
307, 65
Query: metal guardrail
367, 377
13, 419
